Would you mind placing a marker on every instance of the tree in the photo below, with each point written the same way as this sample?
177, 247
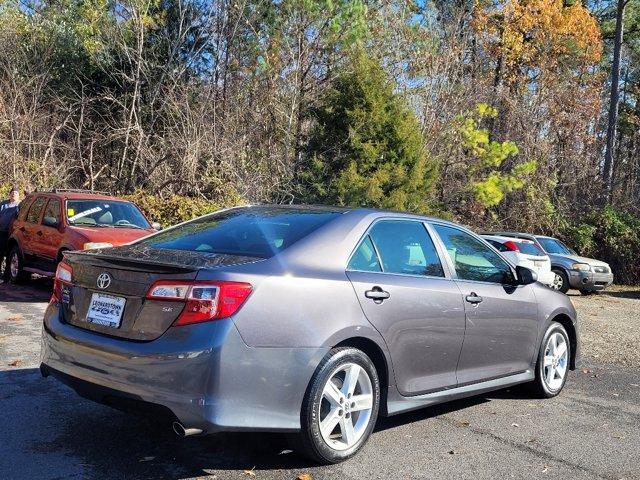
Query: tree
366, 147
614, 97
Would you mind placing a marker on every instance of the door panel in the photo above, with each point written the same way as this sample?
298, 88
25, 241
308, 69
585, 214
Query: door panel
31, 227
501, 331
50, 237
501, 317
423, 324
400, 283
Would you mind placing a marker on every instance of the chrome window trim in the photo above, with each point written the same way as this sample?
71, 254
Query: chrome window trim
445, 266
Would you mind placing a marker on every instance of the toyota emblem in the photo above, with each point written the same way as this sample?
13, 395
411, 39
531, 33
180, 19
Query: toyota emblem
104, 280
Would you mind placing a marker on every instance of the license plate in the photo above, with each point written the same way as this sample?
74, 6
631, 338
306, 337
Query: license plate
105, 310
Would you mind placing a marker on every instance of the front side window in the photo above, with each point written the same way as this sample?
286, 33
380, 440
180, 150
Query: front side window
104, 213
52, 213
35, 210
471, 258
405, 247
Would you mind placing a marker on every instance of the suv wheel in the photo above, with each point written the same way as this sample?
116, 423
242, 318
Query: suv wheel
553, 362
340, 407
561, 282
15, 272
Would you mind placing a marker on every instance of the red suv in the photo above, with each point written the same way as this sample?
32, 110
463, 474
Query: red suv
49, 223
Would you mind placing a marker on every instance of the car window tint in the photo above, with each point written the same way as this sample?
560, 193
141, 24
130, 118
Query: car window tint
472, 259
365, 257
256, 232
105, 213
52, 211
530, 249
498, 246
406, 247
35, 210
551, 245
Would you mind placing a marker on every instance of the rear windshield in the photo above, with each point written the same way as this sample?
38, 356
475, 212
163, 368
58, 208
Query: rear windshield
253, 232
530, 249
551, 245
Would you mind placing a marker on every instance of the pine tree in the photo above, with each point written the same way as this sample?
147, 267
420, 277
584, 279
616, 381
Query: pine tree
366, 147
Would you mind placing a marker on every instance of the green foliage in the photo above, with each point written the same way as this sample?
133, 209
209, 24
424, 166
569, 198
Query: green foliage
489, 182
176, 208
366, 147
611, 235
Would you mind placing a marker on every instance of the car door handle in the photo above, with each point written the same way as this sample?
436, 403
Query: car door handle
377, 294
473, 298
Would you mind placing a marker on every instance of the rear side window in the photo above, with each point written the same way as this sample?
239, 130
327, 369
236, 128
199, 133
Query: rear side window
498, 246
406, 247
529, 249
35, 210
254, 232
365, 258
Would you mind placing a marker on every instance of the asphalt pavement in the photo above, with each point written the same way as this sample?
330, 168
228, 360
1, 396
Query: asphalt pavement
592, 430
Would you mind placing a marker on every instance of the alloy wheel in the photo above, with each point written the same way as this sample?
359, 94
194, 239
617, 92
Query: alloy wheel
345, 409
557, 282
556, 356
14, 265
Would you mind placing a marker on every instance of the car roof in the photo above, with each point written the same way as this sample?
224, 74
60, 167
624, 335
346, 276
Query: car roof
76, 195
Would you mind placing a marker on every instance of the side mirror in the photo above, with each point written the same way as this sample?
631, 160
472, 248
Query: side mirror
156, 226
525, 275
50, 222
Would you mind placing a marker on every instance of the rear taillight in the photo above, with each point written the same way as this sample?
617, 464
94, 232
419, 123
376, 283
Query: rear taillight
64, 272
203, 301
513, 246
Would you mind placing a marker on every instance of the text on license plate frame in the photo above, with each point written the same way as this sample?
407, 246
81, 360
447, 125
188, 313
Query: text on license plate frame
106, 310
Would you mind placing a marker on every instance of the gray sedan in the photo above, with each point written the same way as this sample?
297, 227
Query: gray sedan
312, 320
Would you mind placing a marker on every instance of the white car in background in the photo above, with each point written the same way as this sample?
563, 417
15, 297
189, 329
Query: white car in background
527, 254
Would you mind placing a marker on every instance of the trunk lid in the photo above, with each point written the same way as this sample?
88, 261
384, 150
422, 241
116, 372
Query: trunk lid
131, 271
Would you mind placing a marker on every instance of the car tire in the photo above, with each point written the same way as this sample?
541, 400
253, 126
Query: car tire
15, 266
334, 425
552, 366
563, 284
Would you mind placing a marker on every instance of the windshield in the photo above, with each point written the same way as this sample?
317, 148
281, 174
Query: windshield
105, 213
253, 232
551, 245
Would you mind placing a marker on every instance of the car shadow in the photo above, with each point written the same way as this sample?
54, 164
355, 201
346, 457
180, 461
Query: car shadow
61, 435
37, 289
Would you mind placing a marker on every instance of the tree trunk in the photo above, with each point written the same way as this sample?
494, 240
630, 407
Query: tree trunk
614, 98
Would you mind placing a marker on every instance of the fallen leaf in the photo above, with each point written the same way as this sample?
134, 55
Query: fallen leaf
305, 476
15, 363
4, 337
545, 469
462, 424
249, 473
515, 425
15, 318
586, 370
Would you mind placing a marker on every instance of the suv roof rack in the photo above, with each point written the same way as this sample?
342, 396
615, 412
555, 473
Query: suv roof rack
72, 190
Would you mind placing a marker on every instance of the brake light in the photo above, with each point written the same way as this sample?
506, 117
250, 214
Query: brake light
203, 301
513, 246
64, 272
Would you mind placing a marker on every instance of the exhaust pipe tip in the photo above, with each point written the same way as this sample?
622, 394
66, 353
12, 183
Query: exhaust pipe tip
182, 431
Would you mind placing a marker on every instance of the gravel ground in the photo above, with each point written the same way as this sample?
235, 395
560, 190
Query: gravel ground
590, 431
610, 325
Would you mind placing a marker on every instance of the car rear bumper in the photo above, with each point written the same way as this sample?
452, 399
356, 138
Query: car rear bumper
203, 374
589, 281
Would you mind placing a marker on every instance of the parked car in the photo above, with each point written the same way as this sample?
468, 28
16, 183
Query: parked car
52, 222
302, 319
574, 271
528, 254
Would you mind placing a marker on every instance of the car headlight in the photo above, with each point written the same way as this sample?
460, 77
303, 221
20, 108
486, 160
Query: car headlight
92, 245
583, 267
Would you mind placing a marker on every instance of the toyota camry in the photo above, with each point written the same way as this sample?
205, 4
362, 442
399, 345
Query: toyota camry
307, 320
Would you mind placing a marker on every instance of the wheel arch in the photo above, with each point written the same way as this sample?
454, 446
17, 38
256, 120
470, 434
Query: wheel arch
379, 359
568, 325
